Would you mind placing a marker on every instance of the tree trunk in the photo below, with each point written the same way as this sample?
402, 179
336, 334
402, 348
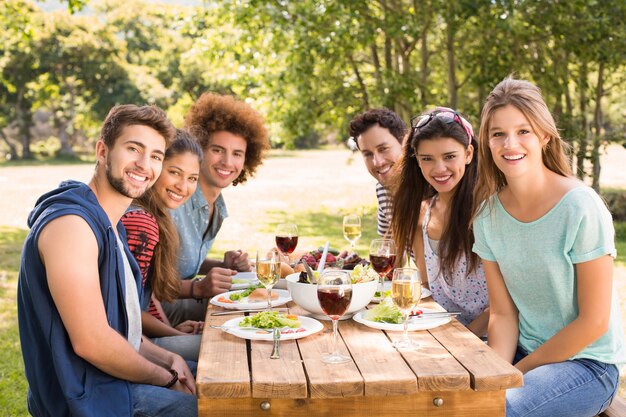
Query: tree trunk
66, 123
24, 119
583, 141
377, 69
424, 68
597, 124
13, 155
569, 109
363, 88
452, 86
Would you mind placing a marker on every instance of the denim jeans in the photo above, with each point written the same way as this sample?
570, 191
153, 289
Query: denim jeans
574, 388
186, 346
153, 401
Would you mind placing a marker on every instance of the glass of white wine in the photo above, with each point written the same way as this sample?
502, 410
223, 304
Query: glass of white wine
406, 292
352, 229
268, 273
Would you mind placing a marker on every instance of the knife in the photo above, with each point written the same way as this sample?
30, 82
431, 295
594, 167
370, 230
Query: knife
320, 266
309, 272
226, 313
436, 314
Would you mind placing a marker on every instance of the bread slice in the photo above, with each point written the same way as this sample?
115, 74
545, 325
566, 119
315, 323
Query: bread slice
260, 294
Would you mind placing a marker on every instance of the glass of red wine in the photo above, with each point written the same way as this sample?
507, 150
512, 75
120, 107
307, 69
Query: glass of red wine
334, 292
286, 238
382, 258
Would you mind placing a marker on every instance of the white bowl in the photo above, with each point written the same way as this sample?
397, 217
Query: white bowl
305, 295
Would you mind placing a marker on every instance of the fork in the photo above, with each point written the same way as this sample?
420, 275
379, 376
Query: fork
227, 328
276, 336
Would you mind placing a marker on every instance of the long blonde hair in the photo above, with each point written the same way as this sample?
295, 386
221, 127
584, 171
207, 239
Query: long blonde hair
525, 97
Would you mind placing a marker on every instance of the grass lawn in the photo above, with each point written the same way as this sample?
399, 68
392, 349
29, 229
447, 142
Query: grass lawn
12, 382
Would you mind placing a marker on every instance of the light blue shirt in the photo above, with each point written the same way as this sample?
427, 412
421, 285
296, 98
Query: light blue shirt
538, 264
196, 237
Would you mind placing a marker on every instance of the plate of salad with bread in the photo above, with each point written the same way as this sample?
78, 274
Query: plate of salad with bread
259, 326
252, 298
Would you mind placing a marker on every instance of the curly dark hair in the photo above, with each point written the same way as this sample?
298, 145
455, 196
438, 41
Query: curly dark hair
382, 117
215, 113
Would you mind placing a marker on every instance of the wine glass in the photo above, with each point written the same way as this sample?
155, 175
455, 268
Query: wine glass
382, 258
286, 238
406, 292
268, 273
352, 229
334, 292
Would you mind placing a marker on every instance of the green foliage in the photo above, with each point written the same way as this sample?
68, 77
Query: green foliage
616, 201
13, 384
309, 66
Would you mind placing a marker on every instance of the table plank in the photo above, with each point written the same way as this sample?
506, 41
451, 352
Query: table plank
223, 368
455, 403
384, 371
487, 370
277, 378
327, 380
435, 367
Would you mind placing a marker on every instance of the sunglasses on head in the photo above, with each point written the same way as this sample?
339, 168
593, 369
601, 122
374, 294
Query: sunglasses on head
445, 115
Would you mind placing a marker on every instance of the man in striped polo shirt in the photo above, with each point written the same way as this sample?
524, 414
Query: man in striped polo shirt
378, 134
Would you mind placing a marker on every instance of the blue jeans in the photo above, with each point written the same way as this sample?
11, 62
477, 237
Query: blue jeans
186, 346
574, 388
153, 401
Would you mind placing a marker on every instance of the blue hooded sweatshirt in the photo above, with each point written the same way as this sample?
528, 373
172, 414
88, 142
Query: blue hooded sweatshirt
60, 382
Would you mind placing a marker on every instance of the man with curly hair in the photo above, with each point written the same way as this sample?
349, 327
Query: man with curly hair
378, 134
234, 140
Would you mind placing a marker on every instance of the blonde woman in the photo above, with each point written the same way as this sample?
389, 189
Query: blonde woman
547, 245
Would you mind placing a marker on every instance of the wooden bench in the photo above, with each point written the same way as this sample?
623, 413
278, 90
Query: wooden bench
616, 409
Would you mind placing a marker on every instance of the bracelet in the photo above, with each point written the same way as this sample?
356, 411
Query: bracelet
193, 282
174, 379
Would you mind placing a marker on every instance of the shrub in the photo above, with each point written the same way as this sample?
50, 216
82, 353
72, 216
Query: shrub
616, 201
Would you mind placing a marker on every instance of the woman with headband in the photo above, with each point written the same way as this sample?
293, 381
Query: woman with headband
437, 174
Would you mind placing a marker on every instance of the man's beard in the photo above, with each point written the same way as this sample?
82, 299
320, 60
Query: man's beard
119, 185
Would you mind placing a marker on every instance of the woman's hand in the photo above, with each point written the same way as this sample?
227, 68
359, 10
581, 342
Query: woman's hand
190, 327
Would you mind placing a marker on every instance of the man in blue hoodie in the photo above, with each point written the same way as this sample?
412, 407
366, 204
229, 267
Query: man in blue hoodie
79, 288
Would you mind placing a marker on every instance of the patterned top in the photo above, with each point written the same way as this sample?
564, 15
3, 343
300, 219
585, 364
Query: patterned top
142, 234
197, 231
385, 209
466, 294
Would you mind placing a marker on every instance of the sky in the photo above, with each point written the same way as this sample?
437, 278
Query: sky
52, 5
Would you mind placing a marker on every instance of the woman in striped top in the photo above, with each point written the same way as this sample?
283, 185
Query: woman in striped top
153, 239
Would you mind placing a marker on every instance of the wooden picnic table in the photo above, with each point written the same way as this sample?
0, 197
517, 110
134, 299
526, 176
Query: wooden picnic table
453, 373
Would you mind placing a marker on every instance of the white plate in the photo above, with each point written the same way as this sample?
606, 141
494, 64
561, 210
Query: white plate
247, 279
415, 323
310, 325
387, 286
283, 298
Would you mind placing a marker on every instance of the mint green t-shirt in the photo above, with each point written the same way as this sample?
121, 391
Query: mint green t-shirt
537, 261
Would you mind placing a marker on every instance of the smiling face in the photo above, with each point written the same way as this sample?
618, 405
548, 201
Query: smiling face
515, 146
135, 161
179, 179
442, 162
380, 151
224, 158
